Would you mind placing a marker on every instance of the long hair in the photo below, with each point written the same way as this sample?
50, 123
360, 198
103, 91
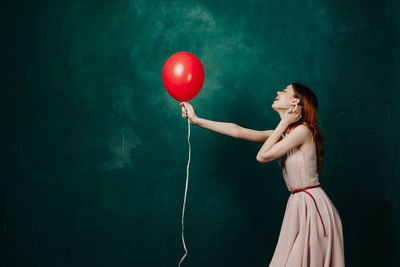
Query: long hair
309, 104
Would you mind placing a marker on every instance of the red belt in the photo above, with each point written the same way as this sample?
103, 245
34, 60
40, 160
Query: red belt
304, 189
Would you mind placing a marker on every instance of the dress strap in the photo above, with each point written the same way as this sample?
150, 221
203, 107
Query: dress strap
304, 189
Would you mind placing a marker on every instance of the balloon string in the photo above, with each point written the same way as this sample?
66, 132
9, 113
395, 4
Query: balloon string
184, 202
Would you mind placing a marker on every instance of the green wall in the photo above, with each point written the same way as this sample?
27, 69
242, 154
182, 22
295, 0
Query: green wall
95, 150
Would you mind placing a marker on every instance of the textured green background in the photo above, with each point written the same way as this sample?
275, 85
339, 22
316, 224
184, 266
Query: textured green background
79, 76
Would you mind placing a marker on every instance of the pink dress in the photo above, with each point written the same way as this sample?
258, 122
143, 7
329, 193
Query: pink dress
311, 232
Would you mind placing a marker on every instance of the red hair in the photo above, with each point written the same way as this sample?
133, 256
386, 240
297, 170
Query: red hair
309, 103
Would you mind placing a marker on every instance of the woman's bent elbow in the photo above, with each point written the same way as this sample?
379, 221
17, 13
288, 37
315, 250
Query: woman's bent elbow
259, 159
263, 159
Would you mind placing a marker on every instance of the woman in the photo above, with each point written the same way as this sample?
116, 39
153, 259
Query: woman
311, 232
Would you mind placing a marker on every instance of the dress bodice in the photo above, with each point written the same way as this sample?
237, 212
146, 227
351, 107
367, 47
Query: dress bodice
299, 168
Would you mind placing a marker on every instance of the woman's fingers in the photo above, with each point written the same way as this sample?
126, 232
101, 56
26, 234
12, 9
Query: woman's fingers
188, 107
184, 106
296, 107
186, 110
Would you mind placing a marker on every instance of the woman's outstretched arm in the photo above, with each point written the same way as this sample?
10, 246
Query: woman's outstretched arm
254, 135
226, 128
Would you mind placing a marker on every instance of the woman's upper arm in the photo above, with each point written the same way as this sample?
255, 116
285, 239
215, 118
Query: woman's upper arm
253, 135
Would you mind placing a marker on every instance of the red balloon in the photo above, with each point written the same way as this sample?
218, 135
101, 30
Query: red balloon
183, 76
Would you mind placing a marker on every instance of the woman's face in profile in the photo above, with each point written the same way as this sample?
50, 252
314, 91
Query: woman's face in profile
284, 98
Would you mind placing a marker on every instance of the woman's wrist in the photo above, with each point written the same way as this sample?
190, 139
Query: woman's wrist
196, 120
284, 123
